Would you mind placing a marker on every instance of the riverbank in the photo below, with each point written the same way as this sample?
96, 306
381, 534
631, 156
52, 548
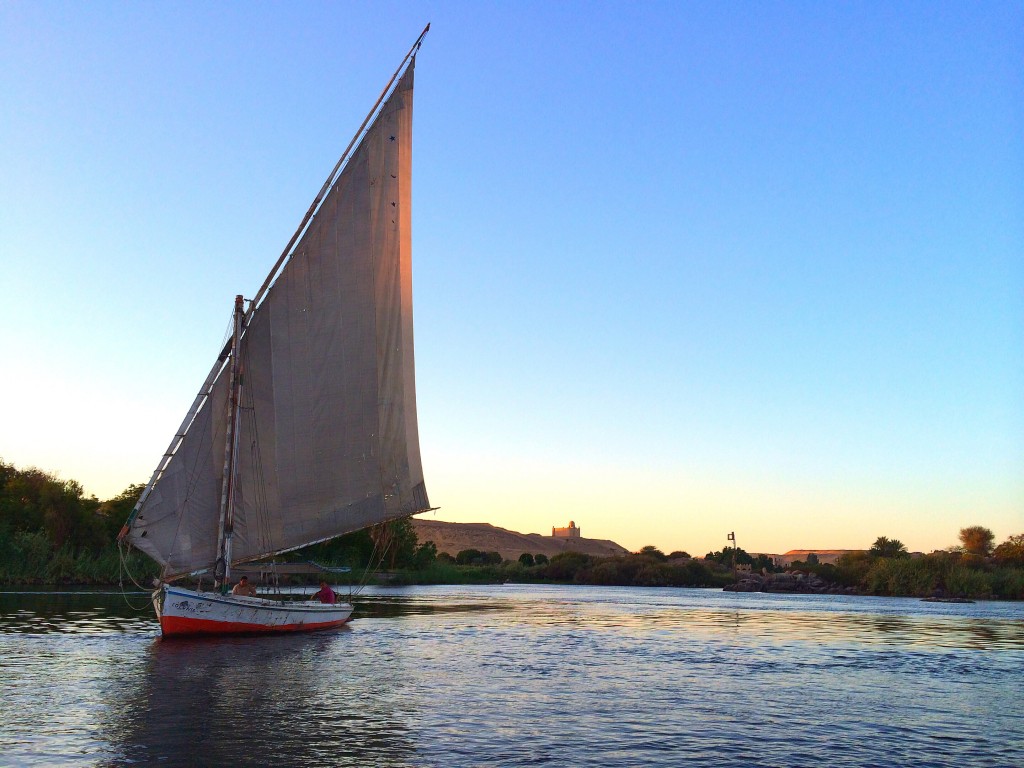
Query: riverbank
50, 534
903, 578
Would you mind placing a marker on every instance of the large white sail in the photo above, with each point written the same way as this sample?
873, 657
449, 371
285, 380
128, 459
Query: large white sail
327, 438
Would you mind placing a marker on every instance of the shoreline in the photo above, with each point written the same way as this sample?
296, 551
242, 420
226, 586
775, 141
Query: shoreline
68, 588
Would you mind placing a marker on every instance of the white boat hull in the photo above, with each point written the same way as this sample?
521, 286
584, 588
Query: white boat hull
185, 612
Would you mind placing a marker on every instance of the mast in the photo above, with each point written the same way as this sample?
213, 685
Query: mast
225, 528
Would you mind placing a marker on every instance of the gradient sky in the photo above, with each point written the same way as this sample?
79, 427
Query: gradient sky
680, 268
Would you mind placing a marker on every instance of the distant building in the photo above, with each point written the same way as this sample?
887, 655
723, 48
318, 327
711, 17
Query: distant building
572, 532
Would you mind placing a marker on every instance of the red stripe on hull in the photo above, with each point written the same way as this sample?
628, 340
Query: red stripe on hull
182, 625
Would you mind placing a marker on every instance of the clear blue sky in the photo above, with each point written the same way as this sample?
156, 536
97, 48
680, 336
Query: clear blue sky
680, 268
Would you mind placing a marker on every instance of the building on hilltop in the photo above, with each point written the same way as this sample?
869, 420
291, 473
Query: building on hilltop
572, 532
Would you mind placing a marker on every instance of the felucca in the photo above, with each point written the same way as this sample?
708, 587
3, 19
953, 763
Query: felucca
305, 428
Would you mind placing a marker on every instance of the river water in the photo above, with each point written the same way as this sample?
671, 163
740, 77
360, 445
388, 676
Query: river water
522, 675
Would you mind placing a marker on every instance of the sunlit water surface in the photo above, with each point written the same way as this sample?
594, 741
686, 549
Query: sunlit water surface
522, 675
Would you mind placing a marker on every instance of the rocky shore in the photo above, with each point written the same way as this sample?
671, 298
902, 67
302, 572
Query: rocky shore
794, 582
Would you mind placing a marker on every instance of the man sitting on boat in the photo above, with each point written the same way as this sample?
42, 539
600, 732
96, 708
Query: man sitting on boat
326, 594
244, 588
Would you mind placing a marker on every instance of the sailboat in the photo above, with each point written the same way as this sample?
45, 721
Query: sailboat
305, 428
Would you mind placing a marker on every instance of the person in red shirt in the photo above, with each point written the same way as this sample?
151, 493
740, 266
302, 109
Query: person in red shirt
326, 594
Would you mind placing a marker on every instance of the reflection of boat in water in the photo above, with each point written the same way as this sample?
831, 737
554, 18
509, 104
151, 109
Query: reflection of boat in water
305, 428
279, 701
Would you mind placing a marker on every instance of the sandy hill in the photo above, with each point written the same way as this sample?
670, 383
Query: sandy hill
455, 537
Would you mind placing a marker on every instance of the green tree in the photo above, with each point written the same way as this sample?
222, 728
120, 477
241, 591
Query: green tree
394, 542
355, 550
1011, 551
470, 557
565, 565
50, 532
113, 513
20, 490
729, 556
526, 560
977, 540
425, 555
540, 559
476, 557
652, 551
885, 547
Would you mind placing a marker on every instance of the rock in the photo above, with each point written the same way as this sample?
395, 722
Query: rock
749, 583
945, 600
790, 582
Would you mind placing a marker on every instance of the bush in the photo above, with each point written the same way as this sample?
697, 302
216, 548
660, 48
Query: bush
902, 576
424, 556
852, 568
469, 557
1011, 551
968, 582
652, 551
476, 557
605, 574
1008, 583
565, 565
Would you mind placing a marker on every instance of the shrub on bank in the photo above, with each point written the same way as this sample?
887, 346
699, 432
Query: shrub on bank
967, 582
27, 558
1008, 583
951, 574
902, 576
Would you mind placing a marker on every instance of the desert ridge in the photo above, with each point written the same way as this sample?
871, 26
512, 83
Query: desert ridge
455, 537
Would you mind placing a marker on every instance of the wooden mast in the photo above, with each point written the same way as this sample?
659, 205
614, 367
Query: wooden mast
225, 528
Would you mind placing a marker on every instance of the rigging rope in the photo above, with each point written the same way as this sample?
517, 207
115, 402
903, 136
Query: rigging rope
123, 569
389, 540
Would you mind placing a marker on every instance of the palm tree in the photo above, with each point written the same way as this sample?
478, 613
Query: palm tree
884, 547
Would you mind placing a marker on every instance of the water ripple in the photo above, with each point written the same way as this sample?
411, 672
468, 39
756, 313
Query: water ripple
519, 676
